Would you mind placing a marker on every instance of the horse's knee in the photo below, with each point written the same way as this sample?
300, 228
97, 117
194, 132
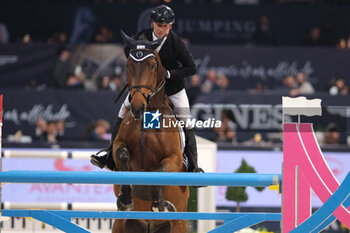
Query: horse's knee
123, 156
122, 153
125, 194
126, 189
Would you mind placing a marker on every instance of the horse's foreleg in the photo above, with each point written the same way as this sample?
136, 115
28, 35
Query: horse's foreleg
124, 201
118, 226
171, 164
158, 203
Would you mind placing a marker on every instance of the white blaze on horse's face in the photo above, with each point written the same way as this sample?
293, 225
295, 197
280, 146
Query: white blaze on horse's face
161, 29
141, 77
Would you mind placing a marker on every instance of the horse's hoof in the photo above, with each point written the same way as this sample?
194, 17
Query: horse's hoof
157, 206
169, 207
163, 206
124, 207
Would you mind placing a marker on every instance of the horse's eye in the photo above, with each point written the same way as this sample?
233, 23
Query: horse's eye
153, 67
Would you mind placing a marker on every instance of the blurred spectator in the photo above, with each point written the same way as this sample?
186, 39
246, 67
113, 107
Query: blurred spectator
330, 84
74, 81
98, 131
289, 83
257, 140
343, 43
32, 84
304, 86
264, 34
313, 37
227, 131
258, 89
58, 36
194, 90
41, 128
51, 133
60, 125
117, 83
18, 137
332, 134
61, 69
80, 75
222, 82
103, 35
339, 87
210, 82
4, 34
27, 39
103, 82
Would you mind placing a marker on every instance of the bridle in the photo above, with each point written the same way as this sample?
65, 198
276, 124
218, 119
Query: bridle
139, 55
150, 95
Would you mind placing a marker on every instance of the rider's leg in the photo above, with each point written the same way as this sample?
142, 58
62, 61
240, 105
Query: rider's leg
104, 158
182, 110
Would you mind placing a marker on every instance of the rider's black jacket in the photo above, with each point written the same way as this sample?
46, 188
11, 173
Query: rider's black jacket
175, 58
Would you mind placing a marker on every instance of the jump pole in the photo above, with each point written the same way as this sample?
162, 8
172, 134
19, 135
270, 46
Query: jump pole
141, 178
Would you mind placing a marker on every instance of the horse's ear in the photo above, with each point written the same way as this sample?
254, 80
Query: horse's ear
129, 41
157, 42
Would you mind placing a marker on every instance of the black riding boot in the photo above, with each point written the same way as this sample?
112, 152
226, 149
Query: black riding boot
191, 151
106, 159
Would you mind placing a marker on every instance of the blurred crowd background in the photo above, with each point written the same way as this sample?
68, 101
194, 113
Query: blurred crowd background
263, 49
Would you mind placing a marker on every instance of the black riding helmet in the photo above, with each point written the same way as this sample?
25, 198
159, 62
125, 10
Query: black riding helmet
163, 14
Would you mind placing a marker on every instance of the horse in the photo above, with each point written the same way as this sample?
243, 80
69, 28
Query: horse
138, 149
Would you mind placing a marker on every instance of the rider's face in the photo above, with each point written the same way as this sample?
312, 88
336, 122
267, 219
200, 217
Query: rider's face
161, 29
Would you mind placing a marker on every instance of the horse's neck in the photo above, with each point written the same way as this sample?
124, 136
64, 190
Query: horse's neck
158, 100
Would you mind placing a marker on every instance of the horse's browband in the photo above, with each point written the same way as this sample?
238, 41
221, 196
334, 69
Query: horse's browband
140, 55
141, 59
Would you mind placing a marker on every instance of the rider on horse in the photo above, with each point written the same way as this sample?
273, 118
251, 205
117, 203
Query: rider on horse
178, 62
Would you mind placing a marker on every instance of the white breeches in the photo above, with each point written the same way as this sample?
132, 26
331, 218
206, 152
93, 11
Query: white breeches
179, 100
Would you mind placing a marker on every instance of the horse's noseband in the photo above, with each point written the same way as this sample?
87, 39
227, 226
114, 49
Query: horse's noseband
138, 89
150, 95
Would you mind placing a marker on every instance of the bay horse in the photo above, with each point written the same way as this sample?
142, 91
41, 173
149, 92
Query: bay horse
138, 149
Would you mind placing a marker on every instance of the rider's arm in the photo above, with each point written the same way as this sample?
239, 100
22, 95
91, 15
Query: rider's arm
184, 56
